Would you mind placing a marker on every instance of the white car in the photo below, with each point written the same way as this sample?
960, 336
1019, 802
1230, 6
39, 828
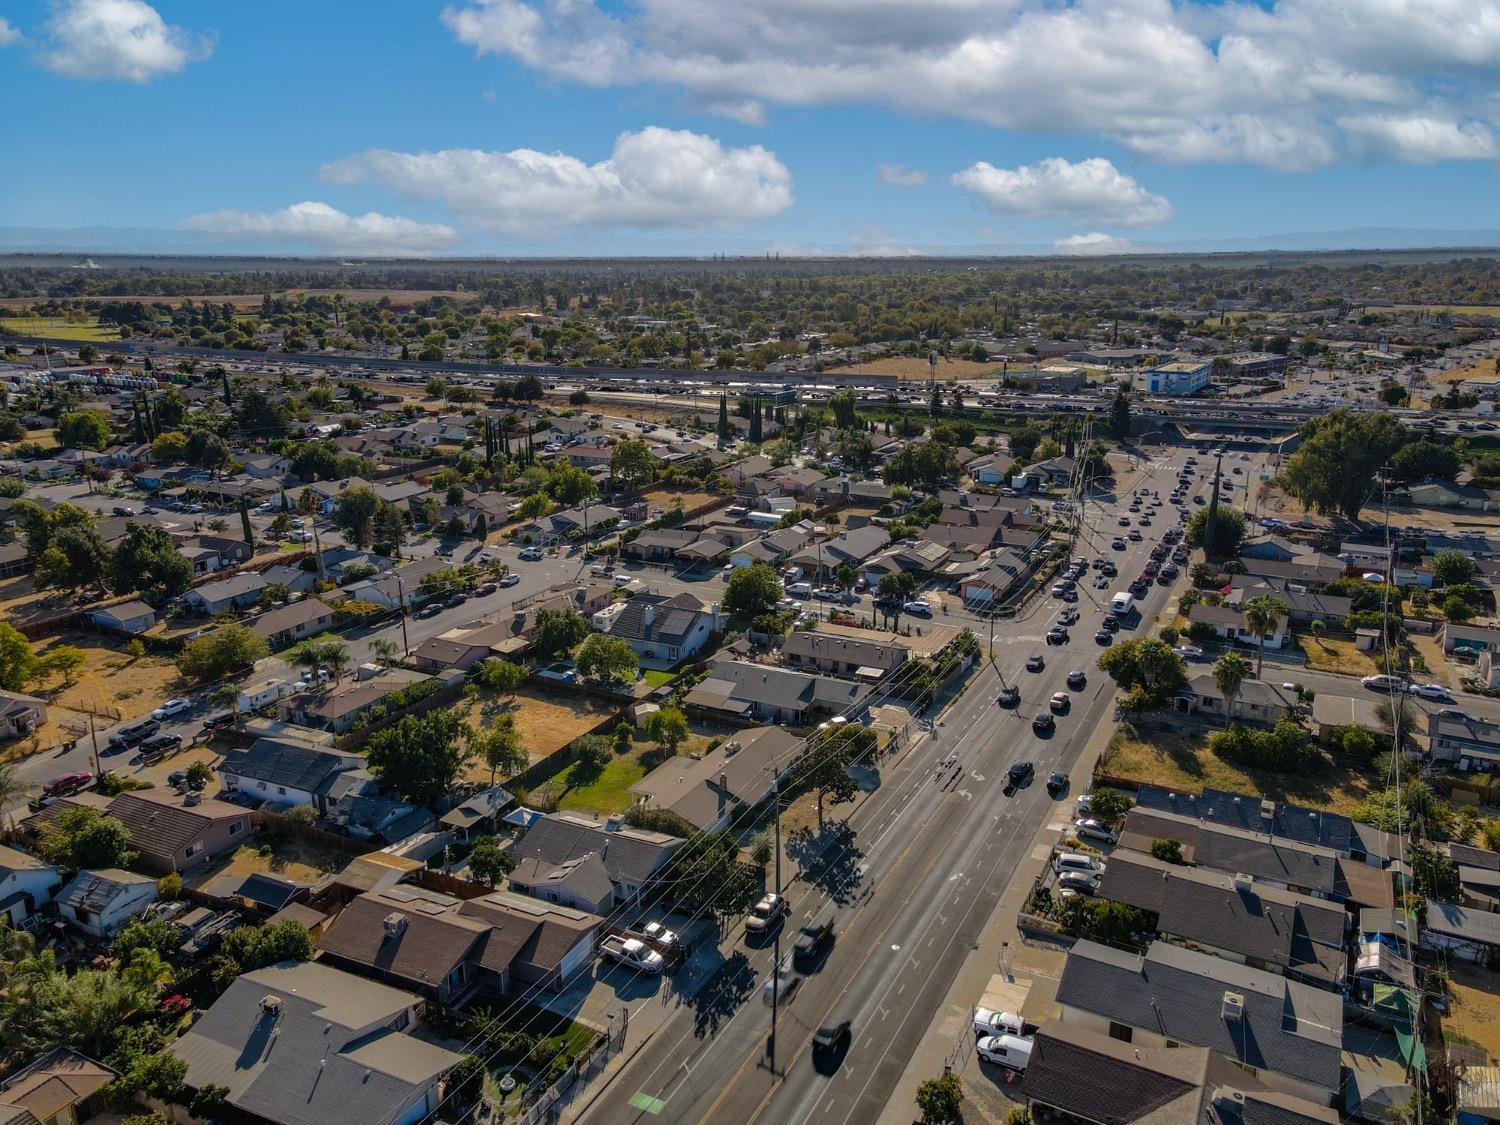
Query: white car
1433, 691
1189, 652
531, 554
169, 708
918, 609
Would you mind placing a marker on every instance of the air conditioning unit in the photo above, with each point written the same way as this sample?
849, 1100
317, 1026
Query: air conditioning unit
270, 1004
1234, 1006
1243, 882
1229, 1096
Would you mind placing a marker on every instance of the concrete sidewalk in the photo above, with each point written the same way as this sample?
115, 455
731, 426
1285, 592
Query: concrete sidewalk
949, 1040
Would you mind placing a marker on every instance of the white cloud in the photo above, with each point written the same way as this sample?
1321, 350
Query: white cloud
123, 39
1093, 244
8, 33
1090, 191
654, 178
1195, 80
330, 230
1422, 140
898, 175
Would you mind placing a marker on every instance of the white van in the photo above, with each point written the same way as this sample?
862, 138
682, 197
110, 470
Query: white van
1076, 861
623, 580
799, 590
1005, 1050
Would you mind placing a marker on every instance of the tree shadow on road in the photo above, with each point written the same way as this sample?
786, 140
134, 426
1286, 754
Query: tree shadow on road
830, 859
722, 994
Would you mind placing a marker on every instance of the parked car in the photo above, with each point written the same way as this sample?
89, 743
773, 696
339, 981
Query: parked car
1433, 691
1089, 829
1387, 683
531, 554
1005, 1050
121, 510
918, 608
133, 734
765, 914
660, 937
1035, 663
171, 707
510, 580
1078, 881
487, 589
431, 609
159, 745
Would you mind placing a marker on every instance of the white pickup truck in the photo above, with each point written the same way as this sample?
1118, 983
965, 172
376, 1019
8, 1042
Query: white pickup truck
632, 953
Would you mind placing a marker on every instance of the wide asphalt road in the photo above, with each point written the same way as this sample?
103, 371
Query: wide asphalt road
910, 880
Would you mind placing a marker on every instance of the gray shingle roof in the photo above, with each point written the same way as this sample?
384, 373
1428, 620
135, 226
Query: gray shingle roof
1275, 927
629, 856
1286, 1027
652, 618
324, 1056
287, 764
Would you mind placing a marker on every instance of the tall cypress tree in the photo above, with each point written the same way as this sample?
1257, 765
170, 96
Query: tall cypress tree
723, 418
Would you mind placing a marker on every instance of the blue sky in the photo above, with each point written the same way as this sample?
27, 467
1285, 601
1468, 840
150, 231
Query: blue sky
690, 126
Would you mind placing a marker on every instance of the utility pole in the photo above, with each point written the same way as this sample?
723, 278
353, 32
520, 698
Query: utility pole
776, 949
94, 738
401, 607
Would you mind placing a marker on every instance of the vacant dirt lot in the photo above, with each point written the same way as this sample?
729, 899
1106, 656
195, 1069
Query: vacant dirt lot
916, 367
112, 679
670, 497
1474, 1015
1337, 656
291, 859
546, 723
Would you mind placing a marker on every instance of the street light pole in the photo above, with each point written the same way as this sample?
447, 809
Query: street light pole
776, 949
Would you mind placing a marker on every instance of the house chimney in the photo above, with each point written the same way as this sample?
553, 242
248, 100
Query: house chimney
650, 615
1234, 1006
723, 792
613, 823
394, 924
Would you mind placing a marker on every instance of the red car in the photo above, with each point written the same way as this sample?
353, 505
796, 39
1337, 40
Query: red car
67, 783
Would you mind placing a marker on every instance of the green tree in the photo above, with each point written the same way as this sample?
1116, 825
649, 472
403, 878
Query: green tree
354, 514
148, 561
223, 652
559, 630
1334, 470
1230, 672
570, 485
207, 450
1168, 851
19, 666
75, 558
1119, 415
1147, 668
85, 837
825, 761
535, 506
941, 1100
489, 862
66, 661
420, 756
1452, 567
607, 658
632, 465
169, 447
1229, 530
258, 417
500, 747
500, 676
750, 592
1263, 616
255, 947
1425, 459
83, 429
668, 728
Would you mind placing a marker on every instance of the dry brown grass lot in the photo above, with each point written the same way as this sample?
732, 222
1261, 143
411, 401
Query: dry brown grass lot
1178, 762
546, 723
291, 859
1489, 366
1324, 655
917, 367
1474, 1015
669, 498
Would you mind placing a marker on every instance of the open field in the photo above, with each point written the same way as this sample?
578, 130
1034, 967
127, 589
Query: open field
1461, 310
916, 367
1459, 374
1178, 762
669, 498
86, 331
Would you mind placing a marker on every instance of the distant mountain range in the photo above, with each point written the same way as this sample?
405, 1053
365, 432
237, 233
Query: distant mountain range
128, 240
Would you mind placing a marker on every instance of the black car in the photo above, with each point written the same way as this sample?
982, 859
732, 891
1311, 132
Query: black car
456, 600
1112, 623
1104, 637
1043, 722
1057, 781
431, 610
219, 722
811, 940
1057, 636
159, 745
1076, 679
1035, 663
1021, 771
831, 1038
134, 734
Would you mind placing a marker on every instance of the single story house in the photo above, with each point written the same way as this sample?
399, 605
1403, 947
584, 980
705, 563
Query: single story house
338, 706
240, 591
100, 902
293, 622
172, 835
26, 885
740, 692
132, 617
1445, 494
1469, 638
665, 629
560, 853
442, 946
710, 791
1470, 743
62, 1087
284, 772
1288, 1034
868, 657
20, 715
1228, 622
301, 1043
1260, 702
1459, 931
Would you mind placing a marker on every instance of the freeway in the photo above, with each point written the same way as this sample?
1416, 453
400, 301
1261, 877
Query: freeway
912, 877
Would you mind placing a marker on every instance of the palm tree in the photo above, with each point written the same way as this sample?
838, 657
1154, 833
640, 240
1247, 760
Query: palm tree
1262, 615
1230, 671
384, 650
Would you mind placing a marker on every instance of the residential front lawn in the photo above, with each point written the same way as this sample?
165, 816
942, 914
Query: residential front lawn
603, 790
1177, 761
